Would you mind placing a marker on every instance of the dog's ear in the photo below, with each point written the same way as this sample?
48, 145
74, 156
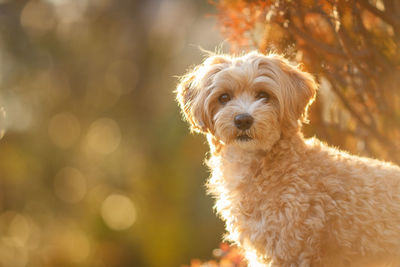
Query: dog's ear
193, 89
186, 93
298, 92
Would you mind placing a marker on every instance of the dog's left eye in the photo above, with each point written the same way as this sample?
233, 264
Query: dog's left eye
224, 98
262, 95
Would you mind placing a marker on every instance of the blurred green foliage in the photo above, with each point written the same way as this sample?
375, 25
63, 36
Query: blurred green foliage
96, 166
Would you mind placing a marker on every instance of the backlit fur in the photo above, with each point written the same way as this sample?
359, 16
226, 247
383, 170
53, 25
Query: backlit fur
286, 200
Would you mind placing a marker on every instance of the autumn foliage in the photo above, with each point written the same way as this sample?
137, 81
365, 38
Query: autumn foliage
353, 47
225, 256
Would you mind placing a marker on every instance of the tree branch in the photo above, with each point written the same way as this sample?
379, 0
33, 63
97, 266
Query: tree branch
382, 15
315, 43
378, 136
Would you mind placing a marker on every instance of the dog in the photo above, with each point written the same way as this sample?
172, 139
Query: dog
287, 200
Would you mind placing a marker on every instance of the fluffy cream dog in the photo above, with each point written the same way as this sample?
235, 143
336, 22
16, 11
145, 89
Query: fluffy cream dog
286, 200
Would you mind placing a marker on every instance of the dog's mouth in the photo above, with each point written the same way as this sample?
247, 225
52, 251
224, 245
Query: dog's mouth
243, 138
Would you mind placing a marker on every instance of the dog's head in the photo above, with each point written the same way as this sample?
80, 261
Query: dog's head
247, 101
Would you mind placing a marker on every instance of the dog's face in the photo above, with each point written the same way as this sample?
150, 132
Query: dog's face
248, 101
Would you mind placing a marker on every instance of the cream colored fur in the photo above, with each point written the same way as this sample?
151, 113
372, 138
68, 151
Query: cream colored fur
286, 200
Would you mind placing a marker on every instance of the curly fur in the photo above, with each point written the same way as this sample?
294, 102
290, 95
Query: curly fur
287, 200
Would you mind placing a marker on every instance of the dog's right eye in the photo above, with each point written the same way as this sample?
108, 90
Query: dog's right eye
224, 98
262, 95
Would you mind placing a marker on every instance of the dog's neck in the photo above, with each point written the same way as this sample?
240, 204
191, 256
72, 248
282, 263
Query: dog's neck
287, 145
233, 165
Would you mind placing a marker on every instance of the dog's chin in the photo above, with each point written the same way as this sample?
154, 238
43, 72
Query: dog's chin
252, 144
243, 138
246, 142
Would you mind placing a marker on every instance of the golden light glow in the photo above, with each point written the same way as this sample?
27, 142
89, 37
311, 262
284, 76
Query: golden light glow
2, 122
118, 212
18, 235
20, 229
103, 136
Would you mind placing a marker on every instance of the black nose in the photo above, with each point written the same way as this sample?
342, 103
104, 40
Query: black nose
243, 121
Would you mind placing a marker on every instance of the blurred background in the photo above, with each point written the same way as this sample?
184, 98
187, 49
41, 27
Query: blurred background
96, 166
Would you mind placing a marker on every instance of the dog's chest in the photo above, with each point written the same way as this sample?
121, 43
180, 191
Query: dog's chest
243, 198
238, 167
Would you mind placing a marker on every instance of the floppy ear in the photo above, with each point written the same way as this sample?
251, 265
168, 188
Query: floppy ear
186, 93
193, 89
299, 89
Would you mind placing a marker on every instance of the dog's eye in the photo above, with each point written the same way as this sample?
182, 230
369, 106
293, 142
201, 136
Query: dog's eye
262, 95
224, 98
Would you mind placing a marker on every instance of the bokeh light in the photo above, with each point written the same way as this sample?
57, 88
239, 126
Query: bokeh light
19, 114
37, 17
19, 235
2, 122
103, 136
118, 212
19, 229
